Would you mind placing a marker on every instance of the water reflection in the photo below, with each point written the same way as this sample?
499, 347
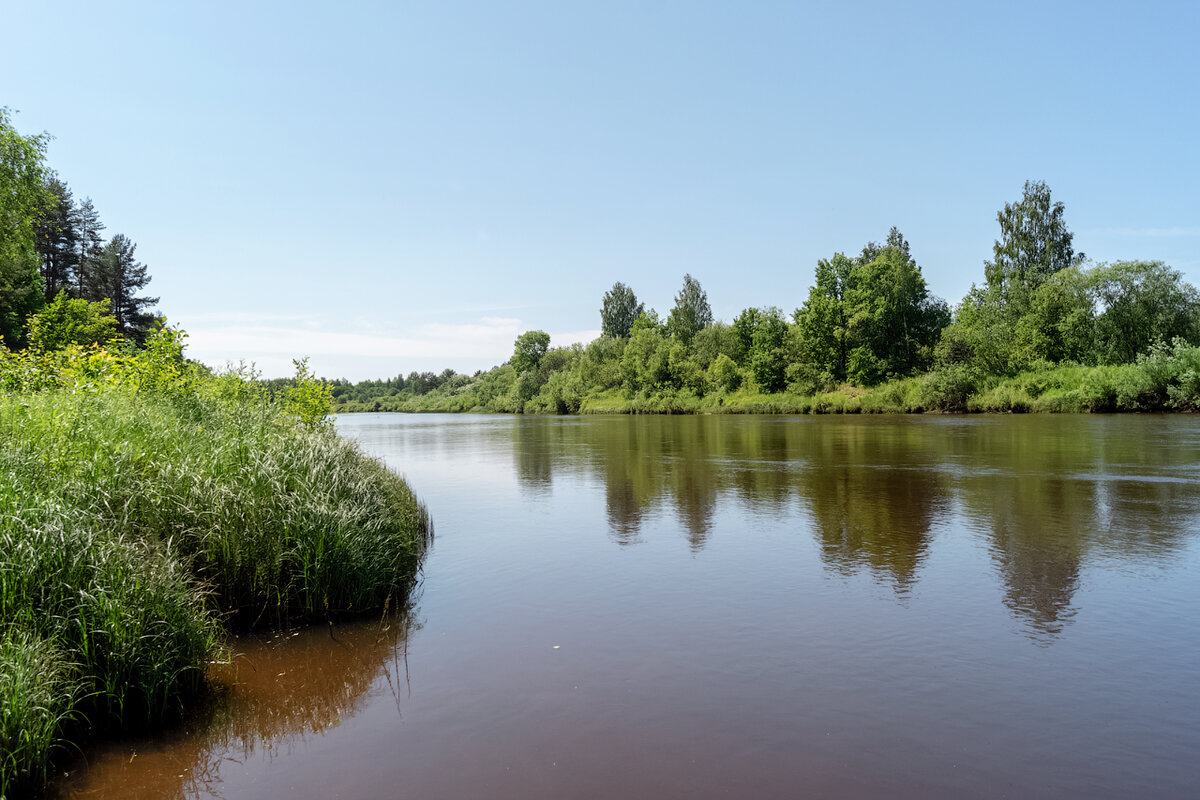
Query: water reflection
1044, 493
277, 692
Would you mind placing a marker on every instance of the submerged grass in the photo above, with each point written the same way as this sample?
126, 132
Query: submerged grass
137, 517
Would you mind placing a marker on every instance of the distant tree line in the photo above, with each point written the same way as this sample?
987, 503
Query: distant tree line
868, 319
54, 257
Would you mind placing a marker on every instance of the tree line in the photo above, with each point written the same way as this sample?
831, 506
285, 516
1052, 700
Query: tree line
57, 271
869, 319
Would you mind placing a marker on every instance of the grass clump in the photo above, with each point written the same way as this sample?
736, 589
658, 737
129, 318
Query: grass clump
144, 503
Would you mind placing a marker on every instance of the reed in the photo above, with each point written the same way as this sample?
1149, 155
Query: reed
138, 516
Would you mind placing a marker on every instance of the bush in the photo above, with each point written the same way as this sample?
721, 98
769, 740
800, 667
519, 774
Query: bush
947, 389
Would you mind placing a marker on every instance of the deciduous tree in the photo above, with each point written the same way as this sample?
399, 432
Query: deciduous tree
691, 312
619, 311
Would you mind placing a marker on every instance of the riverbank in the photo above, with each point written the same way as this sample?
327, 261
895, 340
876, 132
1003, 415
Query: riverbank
1167, 379
147, 506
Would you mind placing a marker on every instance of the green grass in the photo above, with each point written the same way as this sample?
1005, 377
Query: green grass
136, 523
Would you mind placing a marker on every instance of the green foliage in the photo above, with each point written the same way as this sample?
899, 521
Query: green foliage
869, 338
1141, 302
619, 311
824, 320
1060, 323
117, 276
37, 693
144, 500
870, 318
66, 322
646, 361
768, 355
528, 350
23, 196
308, 398
713, 341
1034, 244
691, 312
723, 374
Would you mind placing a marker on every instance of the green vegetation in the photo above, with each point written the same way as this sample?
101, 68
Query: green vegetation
1045, 332
50, 245
146, 502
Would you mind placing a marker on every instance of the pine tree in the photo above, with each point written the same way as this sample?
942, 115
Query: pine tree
87, 227
117, 276
56, 239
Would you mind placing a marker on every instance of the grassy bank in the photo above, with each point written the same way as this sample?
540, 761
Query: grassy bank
144, 505
1167, 378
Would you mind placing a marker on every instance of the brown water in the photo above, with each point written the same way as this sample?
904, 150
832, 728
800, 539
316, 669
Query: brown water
706, 607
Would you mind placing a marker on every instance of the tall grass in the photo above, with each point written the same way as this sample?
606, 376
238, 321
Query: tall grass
143, 503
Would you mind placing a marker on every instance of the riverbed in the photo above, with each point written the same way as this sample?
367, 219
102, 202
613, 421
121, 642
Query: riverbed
696, 607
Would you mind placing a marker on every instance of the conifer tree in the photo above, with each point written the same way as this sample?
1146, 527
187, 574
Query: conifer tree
56, 238
118, 275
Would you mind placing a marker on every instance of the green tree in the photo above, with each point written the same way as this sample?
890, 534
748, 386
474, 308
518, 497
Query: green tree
646, 360
22, 199
894, 320
768, 352
119, 276
691, 312
528, 350
67, 321
723, 374
744, 326
1141, 302
56, 238
823, 321
1034, 244
88, 241
1060, 324
619, 311
870, 318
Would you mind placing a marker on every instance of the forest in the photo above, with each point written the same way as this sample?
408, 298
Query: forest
1045, 330
55, 264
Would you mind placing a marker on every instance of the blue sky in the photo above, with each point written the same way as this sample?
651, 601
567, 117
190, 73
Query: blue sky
388, 187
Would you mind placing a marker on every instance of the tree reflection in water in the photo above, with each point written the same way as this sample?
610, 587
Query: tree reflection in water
1045, 493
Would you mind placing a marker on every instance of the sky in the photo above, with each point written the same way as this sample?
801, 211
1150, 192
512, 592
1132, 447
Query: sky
389, 187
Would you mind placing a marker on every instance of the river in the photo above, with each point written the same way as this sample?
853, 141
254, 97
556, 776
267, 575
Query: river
766, 607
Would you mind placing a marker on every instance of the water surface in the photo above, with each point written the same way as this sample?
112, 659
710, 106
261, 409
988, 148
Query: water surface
700, 607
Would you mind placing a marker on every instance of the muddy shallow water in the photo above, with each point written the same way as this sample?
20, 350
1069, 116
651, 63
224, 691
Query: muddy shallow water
739, 607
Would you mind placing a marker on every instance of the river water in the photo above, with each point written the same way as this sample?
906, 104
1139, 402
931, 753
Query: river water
759, 607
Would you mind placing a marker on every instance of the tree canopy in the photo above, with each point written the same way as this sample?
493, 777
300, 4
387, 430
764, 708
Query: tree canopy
22, 197
619, 311
691, 312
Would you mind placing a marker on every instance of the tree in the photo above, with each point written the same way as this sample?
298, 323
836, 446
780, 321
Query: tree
118, 275
66, 321
691, 312
744, 326
894, 320
528, 350
870, 318
57, 244
823, 320
22, 199
87, 226
1141, 302
768, 356
1060, 324
619, 311
1034, 244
